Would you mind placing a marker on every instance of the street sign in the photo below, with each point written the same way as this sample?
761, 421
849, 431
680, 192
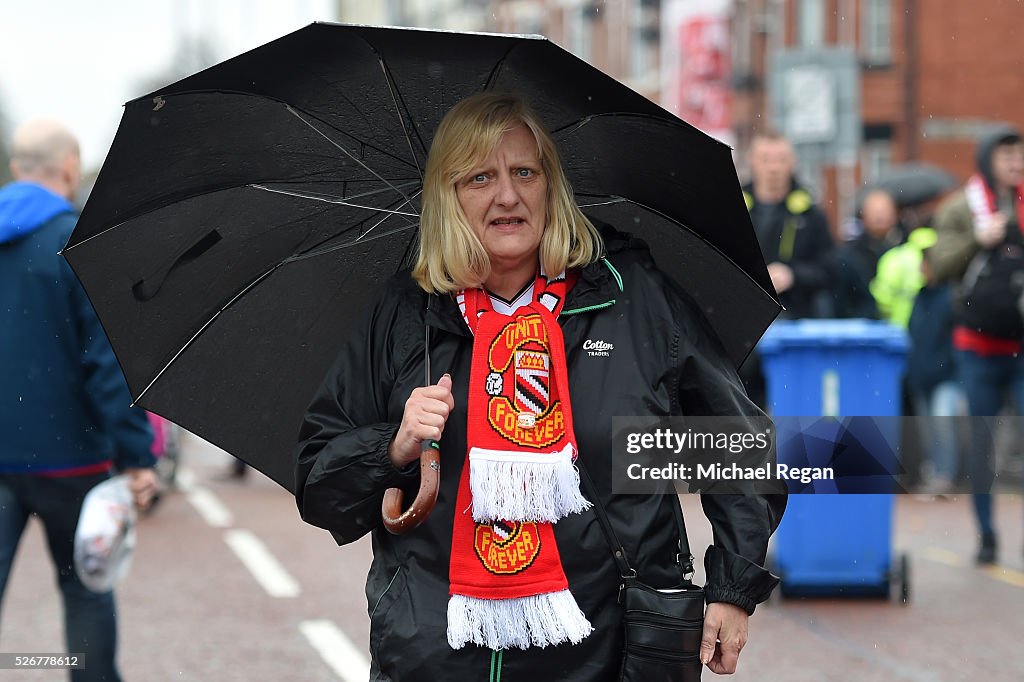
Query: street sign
815, 100
809, 93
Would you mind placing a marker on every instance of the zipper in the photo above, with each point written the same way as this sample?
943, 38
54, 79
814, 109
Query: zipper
661, 622
381, 597
577, 311
599, 306
375, 646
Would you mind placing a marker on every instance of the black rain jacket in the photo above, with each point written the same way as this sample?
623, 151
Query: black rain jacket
799, 237
663, 360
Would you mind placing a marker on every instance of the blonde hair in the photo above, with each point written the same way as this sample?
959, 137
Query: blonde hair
451, 256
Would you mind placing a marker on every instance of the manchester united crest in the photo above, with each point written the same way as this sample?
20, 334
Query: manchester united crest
506, 547
521, 407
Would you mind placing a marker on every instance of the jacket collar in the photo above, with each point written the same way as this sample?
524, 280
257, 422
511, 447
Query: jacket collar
27, 206
598, 286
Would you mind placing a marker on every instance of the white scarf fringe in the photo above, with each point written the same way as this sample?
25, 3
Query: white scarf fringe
521, 486
520, 623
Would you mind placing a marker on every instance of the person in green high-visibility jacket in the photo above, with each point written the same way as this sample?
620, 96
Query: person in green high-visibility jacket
899, 277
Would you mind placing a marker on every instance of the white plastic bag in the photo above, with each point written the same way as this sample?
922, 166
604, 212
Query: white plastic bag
105, 537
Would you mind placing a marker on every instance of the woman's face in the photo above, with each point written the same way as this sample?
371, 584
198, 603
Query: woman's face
505, 200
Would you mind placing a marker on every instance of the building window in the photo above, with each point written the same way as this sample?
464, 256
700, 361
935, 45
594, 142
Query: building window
579, 30
876, 158
743, 35
811, 23
527, 18
876, 39
643, 43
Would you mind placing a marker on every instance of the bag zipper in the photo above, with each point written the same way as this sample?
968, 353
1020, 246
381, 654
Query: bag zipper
661, 655
665, 622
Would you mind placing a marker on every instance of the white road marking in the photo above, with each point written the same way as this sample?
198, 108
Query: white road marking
337, 651
205, 502
210, 508
184, 479
269, 573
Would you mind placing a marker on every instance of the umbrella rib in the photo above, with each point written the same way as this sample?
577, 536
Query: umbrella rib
200, 194
679, 123
202, 329
361, 239
146, 100
245, 290
349, 154
331, 200
727, 257
360, 195
498, 65
379, 222
612, 200
400, 107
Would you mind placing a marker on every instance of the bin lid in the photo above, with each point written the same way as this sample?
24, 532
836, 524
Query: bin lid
819, 333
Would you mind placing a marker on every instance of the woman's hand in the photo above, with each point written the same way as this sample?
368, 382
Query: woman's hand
725, 634
426, 412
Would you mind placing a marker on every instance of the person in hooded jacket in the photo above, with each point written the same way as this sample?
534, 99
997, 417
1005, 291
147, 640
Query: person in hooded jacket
980, 250
511, 274
66, 419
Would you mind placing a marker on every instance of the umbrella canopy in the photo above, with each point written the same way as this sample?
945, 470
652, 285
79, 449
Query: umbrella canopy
246, 216
914, 183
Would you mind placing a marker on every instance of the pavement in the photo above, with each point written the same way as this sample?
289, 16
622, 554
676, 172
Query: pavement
228, 584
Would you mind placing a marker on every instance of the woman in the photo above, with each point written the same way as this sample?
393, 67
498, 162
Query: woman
513, 286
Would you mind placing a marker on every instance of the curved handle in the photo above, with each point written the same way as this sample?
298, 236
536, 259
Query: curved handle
395, 520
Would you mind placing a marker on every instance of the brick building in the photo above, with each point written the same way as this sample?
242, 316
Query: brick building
933, 75
620, 37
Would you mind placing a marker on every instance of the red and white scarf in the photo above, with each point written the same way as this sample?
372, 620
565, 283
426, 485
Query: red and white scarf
507, 586
982, 201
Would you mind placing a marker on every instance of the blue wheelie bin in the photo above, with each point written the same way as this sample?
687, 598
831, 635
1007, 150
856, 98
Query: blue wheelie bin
836, 544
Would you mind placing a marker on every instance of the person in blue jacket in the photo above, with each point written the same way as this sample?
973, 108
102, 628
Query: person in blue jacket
66, 420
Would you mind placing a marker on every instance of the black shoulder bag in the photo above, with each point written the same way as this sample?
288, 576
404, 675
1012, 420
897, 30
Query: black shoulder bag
663, 626
991, 293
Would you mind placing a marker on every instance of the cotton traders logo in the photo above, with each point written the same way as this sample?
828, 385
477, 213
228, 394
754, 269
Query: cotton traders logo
598, 348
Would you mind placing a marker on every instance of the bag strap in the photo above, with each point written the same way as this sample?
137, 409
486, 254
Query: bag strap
618, 551
684, 558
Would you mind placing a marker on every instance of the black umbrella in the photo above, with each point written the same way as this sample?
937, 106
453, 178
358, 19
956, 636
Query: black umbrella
914, 183
246, 215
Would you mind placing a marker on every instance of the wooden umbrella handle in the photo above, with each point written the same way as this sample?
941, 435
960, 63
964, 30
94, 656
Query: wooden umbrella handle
395, 520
